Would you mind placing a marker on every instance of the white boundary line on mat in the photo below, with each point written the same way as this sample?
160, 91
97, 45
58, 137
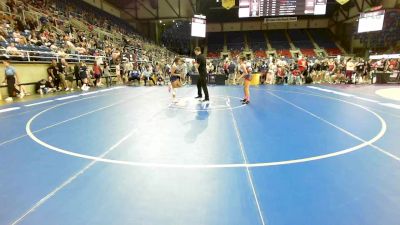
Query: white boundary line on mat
230, 165
248, 172
9, 109
69, 180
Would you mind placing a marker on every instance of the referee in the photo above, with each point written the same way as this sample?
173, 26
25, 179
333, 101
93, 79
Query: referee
200, 65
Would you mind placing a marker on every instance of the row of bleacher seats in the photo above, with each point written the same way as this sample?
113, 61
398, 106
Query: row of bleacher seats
81, 8
61, 11
278, 40
177, 37
257, 42
300, 39
323, 38
235, 41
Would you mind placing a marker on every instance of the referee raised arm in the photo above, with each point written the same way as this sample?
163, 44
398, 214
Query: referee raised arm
200, 65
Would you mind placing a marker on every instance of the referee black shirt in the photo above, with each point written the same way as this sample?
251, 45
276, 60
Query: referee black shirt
201, 60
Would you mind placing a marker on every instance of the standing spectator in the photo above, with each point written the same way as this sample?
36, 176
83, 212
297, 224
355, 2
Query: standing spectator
97, 74
350, 66
76, 74
107, 75
11, 78
232, 72
360, 69
83, 74
118, 72
53, 72
67, 75
62, 74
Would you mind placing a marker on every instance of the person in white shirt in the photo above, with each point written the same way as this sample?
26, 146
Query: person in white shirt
350, 66
118, 72
271, 72
13, 51
147, 75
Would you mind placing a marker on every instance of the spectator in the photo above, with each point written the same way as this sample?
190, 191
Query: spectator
54, 73
97, 74
13, 51
43, 87
107, 74
135, 75
76, 74
147, 75
66, 75
83, 74
118, 72
350, 66
232, 72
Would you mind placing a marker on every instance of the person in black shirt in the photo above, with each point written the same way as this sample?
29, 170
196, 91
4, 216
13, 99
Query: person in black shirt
54, 73
360, 69
232, 72
44, 87
202, 81
76, 74
83, 74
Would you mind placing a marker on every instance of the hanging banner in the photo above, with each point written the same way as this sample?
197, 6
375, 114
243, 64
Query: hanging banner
342, 2
228, 4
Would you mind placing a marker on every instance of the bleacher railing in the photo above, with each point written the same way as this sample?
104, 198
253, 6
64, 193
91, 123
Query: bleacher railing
43, 56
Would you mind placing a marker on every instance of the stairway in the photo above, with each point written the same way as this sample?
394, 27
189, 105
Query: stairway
316, 46
292, 47
344, 52
269, 47
246, 43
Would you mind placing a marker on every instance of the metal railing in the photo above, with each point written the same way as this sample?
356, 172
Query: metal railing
43, 56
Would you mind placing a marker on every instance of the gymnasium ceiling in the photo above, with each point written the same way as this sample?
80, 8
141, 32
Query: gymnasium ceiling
145, 10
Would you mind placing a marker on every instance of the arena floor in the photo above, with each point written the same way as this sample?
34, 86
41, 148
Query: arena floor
297, 155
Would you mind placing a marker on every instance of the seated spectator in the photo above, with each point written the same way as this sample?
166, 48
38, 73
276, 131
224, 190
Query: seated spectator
81, 50
135, 75
43, 87
43, 20
147, 75
338, 76
69, 45
13, 51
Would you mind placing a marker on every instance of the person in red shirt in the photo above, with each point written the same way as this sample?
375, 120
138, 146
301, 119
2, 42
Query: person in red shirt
302, 65
296, 76
392, 64
97, 74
